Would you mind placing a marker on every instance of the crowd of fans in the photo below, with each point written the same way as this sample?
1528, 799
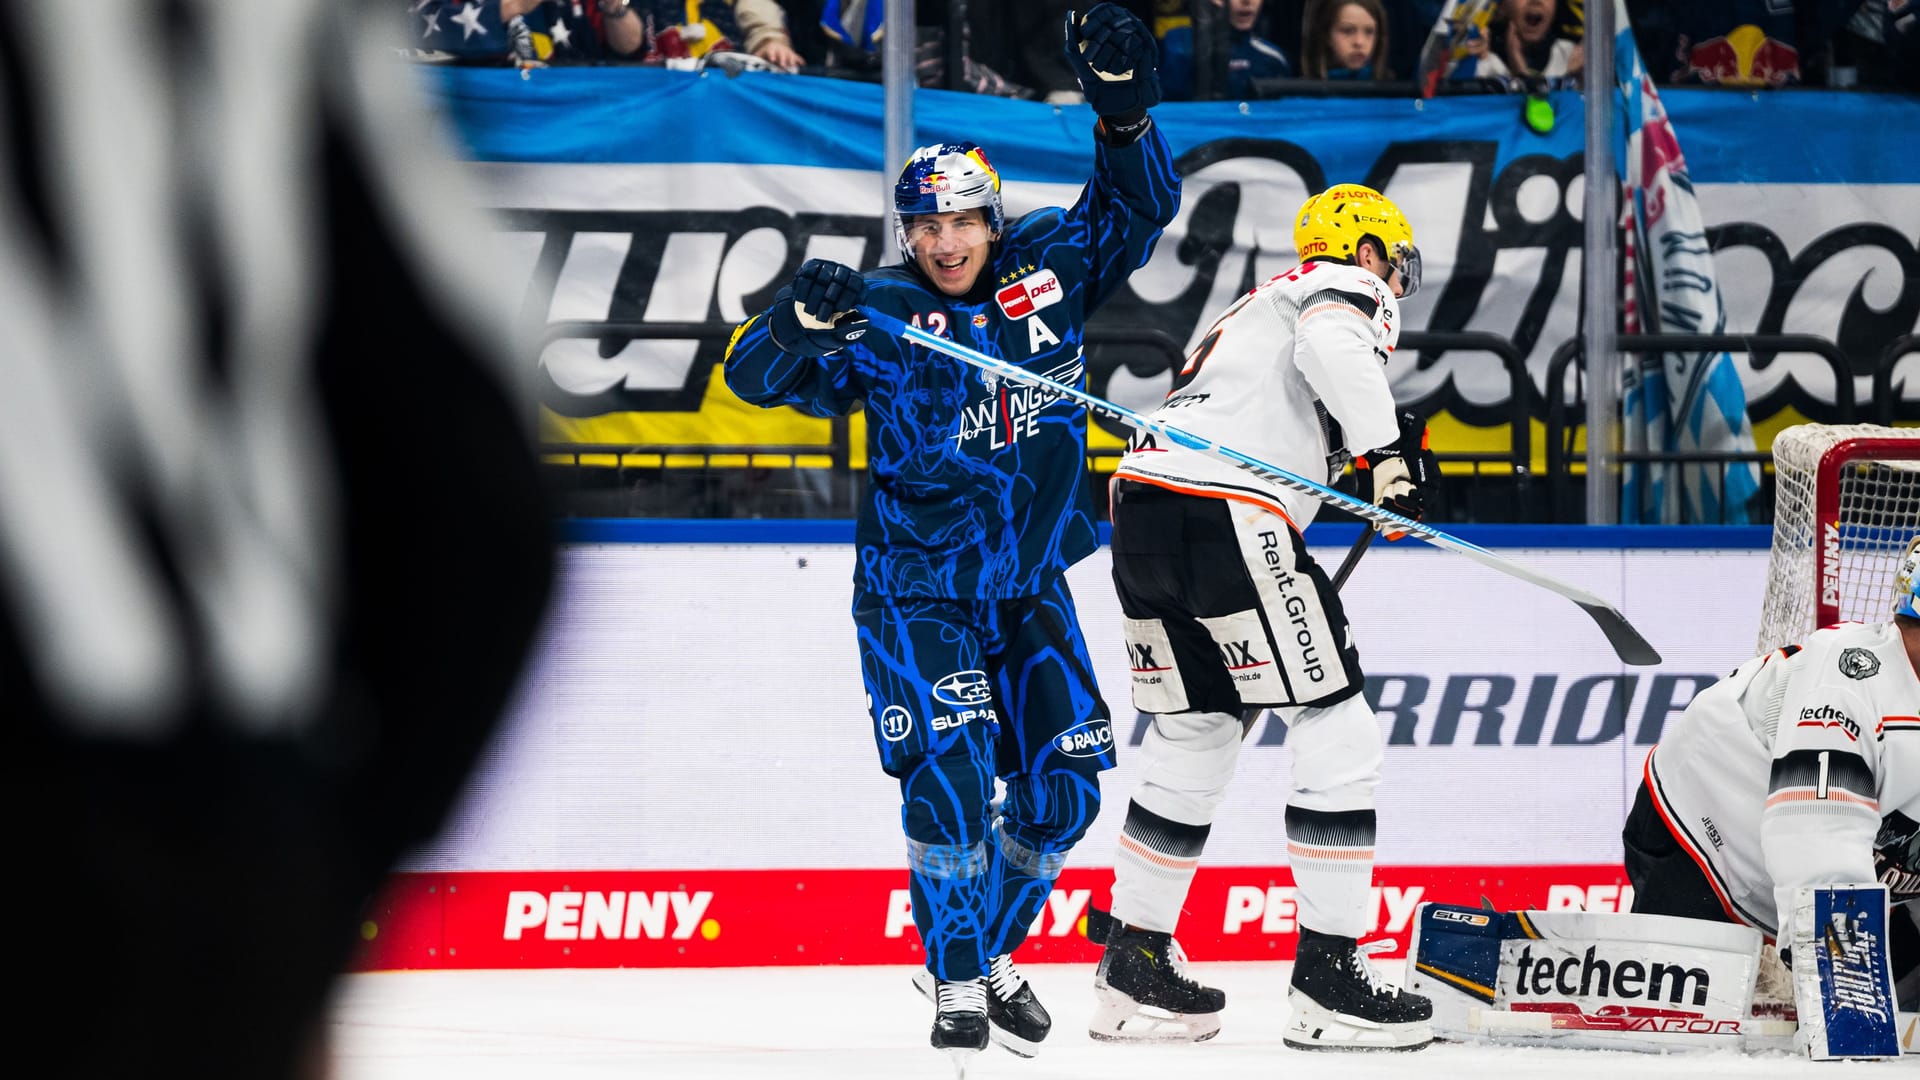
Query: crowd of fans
1210, 49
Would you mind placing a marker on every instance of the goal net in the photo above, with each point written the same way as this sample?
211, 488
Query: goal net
1846, 502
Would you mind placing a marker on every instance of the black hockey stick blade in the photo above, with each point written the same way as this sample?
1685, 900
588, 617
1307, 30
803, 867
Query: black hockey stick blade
1626, 641
1359, 548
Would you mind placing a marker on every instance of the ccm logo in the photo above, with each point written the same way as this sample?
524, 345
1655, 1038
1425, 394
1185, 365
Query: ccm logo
1024, 297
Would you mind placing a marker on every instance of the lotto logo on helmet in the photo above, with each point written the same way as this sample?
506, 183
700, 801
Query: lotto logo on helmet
1030, 294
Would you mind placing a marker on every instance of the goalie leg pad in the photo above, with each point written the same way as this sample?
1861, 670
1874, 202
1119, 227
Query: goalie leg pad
1588, 979
1842, 977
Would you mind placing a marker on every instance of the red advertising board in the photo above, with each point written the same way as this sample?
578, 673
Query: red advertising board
744, 918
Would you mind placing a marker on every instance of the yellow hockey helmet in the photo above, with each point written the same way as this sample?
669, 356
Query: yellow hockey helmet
1332, 224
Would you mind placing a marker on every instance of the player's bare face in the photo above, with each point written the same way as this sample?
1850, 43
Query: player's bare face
1241, 13
951, 248
1352, 37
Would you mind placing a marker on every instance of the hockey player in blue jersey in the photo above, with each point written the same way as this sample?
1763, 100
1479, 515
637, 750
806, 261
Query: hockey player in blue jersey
974, 662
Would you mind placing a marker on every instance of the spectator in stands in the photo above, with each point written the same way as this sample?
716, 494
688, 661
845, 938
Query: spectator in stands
1035, 57
1524, 39
1345, 39
1249, 56
529, 32
855, 28
696, 29
1881, 43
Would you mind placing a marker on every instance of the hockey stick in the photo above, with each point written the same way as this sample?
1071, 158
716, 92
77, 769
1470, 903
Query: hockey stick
1352, 560
1626, 641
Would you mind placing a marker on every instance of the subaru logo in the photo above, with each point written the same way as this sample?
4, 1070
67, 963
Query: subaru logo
895, 724
964, 688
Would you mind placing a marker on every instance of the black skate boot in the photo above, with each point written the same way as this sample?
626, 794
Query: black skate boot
1143, 994
1339, 1002
960, 1020
1018, 1020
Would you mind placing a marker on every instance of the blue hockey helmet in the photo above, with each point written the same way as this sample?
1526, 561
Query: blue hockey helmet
1907, 582
945, 177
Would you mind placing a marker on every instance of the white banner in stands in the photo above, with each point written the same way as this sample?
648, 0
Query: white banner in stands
700, 706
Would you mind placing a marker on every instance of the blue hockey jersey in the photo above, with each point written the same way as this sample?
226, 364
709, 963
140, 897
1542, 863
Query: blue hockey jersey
976, 487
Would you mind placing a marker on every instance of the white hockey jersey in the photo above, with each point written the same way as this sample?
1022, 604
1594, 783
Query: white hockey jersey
1801, 768
1319, 333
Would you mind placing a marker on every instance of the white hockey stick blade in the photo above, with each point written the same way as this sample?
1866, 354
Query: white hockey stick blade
1627, 642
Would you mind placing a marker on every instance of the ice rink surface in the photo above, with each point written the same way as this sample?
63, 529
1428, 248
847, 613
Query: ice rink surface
867, 1023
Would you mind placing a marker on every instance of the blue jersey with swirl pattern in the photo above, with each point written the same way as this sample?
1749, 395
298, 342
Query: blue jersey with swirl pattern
976, 488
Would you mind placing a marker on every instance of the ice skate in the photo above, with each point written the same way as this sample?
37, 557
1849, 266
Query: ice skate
1018, 1022
1339, 1002
959, 1020
1143, 994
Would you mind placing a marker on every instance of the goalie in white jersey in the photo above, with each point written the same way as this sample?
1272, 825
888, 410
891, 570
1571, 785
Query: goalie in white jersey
1802, 768
1227, 615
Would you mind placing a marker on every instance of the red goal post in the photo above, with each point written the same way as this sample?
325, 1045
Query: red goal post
1846, 502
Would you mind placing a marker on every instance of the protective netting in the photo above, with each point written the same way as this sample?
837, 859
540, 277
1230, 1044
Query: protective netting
1879, 511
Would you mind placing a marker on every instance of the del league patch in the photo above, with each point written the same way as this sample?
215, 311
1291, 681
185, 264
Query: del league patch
1029, 294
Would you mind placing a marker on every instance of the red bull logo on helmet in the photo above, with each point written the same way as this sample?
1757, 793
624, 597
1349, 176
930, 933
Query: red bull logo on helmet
980, 158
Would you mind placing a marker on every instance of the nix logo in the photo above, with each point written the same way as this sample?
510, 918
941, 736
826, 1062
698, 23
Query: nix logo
1239, 655
1142, 657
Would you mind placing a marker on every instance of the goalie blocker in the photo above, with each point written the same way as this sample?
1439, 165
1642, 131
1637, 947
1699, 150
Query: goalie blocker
1655, 982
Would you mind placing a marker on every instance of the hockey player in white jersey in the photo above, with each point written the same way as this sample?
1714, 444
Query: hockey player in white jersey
1802, 768
1226, 615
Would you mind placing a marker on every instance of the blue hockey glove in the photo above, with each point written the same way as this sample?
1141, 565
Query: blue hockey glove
820, 312
1113, 56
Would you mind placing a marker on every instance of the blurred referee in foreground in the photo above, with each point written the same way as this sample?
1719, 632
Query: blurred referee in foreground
272, 545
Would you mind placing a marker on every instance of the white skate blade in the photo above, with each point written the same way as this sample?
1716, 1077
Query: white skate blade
1311, 1027
1119, 1018
960, 1058
999, 1036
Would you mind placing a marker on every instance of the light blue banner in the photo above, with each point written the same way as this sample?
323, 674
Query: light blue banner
638, 114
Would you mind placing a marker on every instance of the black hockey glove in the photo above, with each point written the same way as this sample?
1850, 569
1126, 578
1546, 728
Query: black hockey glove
1114, 57
820, 312
1403, 473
